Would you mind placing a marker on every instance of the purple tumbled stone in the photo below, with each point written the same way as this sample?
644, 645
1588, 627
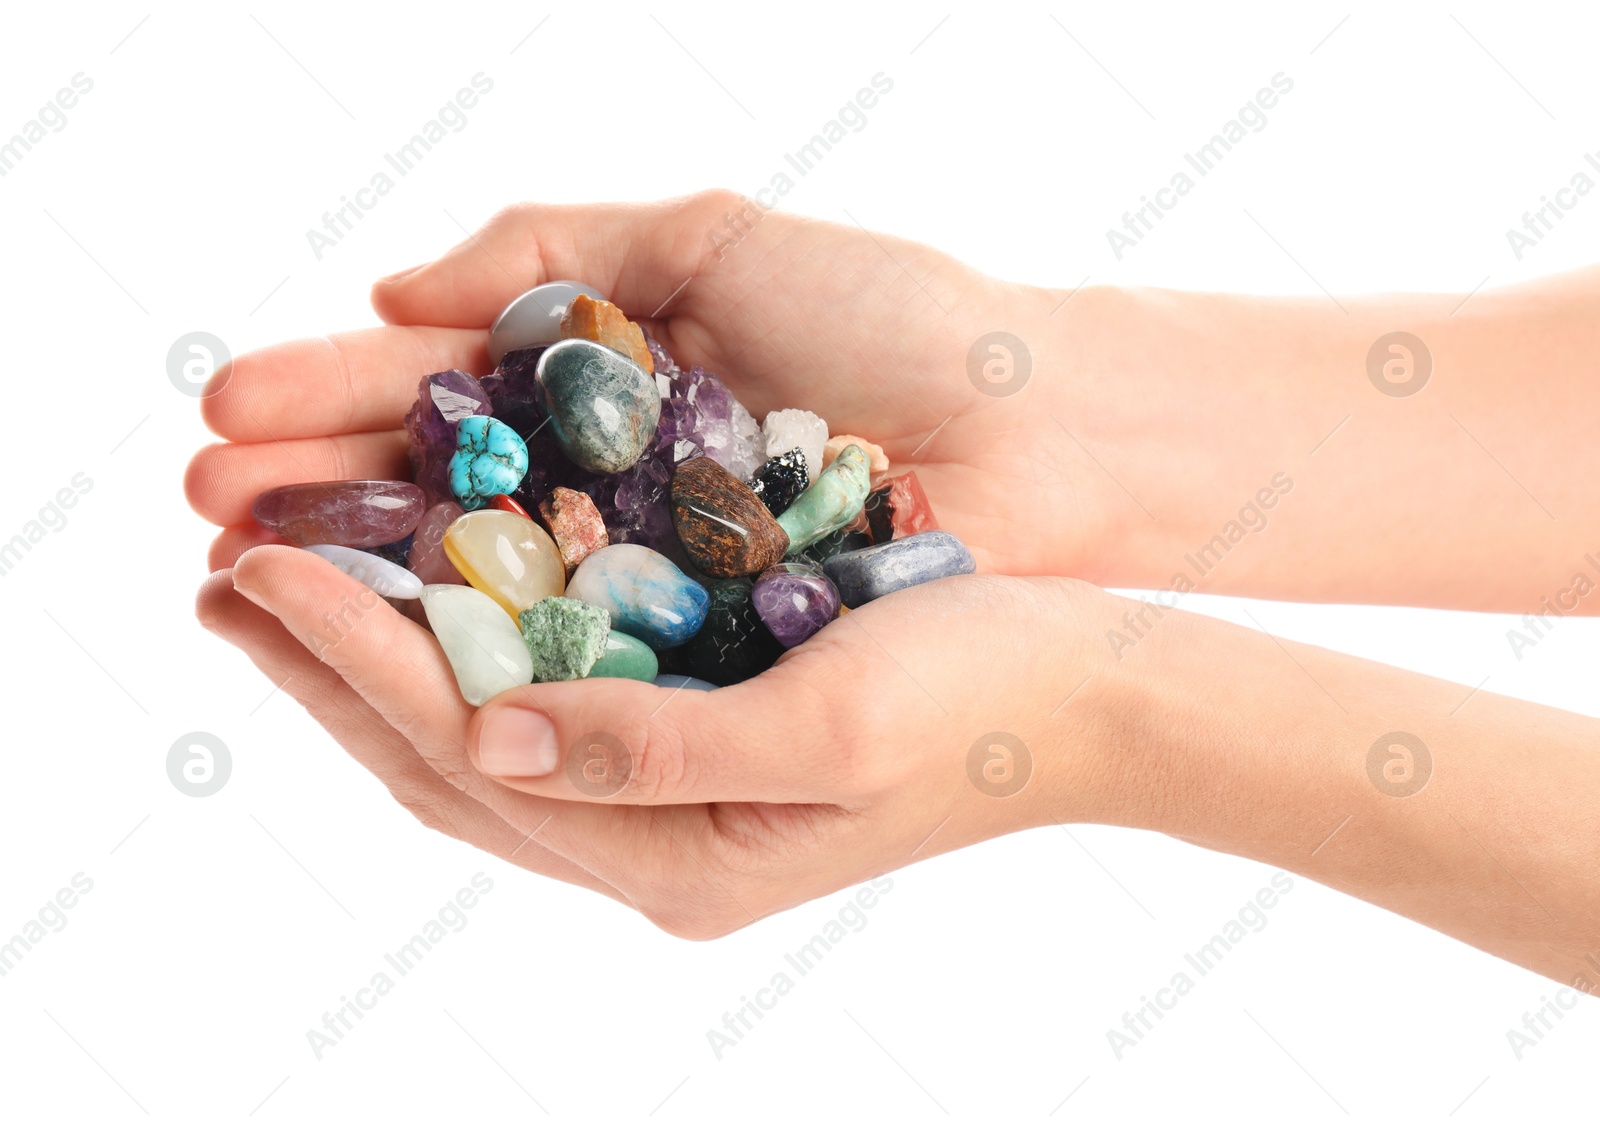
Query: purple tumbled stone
357, 512
795, 600
443, 399
427, 558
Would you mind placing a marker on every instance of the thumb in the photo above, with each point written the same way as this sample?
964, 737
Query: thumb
627, 742
638, 254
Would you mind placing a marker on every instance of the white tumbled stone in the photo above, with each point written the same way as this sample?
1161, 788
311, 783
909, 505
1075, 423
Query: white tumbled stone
381, 576
482, 643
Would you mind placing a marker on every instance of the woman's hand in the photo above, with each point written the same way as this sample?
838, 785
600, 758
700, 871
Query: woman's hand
924, 721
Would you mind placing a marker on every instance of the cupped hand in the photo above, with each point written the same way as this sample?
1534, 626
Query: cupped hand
924, 721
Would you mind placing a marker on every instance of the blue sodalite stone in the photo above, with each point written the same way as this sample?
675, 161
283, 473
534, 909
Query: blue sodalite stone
646, 595
490, 460
865, 575
603, 406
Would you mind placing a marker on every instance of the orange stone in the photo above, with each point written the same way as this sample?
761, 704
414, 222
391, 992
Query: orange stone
602, 322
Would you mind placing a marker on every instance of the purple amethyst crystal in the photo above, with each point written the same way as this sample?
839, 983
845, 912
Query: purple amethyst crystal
795, 600
443, 399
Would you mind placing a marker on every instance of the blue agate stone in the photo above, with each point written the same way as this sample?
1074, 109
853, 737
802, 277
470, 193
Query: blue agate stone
490, 460
646, 595
865, 575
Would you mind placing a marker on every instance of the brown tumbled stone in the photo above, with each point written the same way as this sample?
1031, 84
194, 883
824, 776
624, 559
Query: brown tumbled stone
575, 523
725, 528
605, 323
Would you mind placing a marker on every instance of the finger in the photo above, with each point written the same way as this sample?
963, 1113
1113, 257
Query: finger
235, 540
368, 738
400, 670
361, 381
223, 480
638, 254
626, 742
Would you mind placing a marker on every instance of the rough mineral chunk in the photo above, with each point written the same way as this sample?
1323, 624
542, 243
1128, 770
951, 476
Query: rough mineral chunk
575, 523
565, 637
865, 575
790, 428
724, 528
899, 507
780, 480
602, 322
443, 401
355, 512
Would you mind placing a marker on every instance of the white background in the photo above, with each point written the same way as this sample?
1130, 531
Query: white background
219, 930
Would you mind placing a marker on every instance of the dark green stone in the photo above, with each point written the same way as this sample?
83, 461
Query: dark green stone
733, 645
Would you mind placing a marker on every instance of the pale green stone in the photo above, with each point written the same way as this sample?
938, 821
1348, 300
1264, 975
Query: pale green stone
833, 499
479, 640
565, 637
625, 657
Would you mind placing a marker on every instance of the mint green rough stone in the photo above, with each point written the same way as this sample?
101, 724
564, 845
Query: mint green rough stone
829, 504
625, 657
565, 637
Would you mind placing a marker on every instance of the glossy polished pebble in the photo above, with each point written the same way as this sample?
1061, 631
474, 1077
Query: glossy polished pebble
490, 460
507, 503
646, 595
865, 575
833, 499
625, 657
723, 526
683, 682
534, 317
354, 512
795, 600
603, 408
565, 637
733, 645
382, 577
483, 645
427, 558
507, 557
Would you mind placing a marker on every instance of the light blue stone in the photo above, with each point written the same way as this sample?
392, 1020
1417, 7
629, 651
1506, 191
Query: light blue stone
646, 595
685, 682
490, 460
865, 575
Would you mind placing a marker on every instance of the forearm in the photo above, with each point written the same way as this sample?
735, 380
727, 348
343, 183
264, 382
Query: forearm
1256, 455
1477, 814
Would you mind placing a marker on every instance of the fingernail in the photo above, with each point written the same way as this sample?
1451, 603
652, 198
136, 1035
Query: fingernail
517, 743
398, 275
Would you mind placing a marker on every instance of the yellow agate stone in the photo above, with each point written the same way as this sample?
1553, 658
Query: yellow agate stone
507, 557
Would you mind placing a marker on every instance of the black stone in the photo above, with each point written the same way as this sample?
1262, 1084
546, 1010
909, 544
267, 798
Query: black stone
733, 645
780, 480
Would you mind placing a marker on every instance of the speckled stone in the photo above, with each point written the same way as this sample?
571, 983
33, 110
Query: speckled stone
565, 637
865, 575
575, 523
625, 657
724, 528
603, 407
831, 502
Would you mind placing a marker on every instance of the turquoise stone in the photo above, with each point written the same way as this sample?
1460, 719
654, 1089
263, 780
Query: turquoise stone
646, 595
565, 637
490, 460
832, 500
603, 406
865, 575
625, 657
